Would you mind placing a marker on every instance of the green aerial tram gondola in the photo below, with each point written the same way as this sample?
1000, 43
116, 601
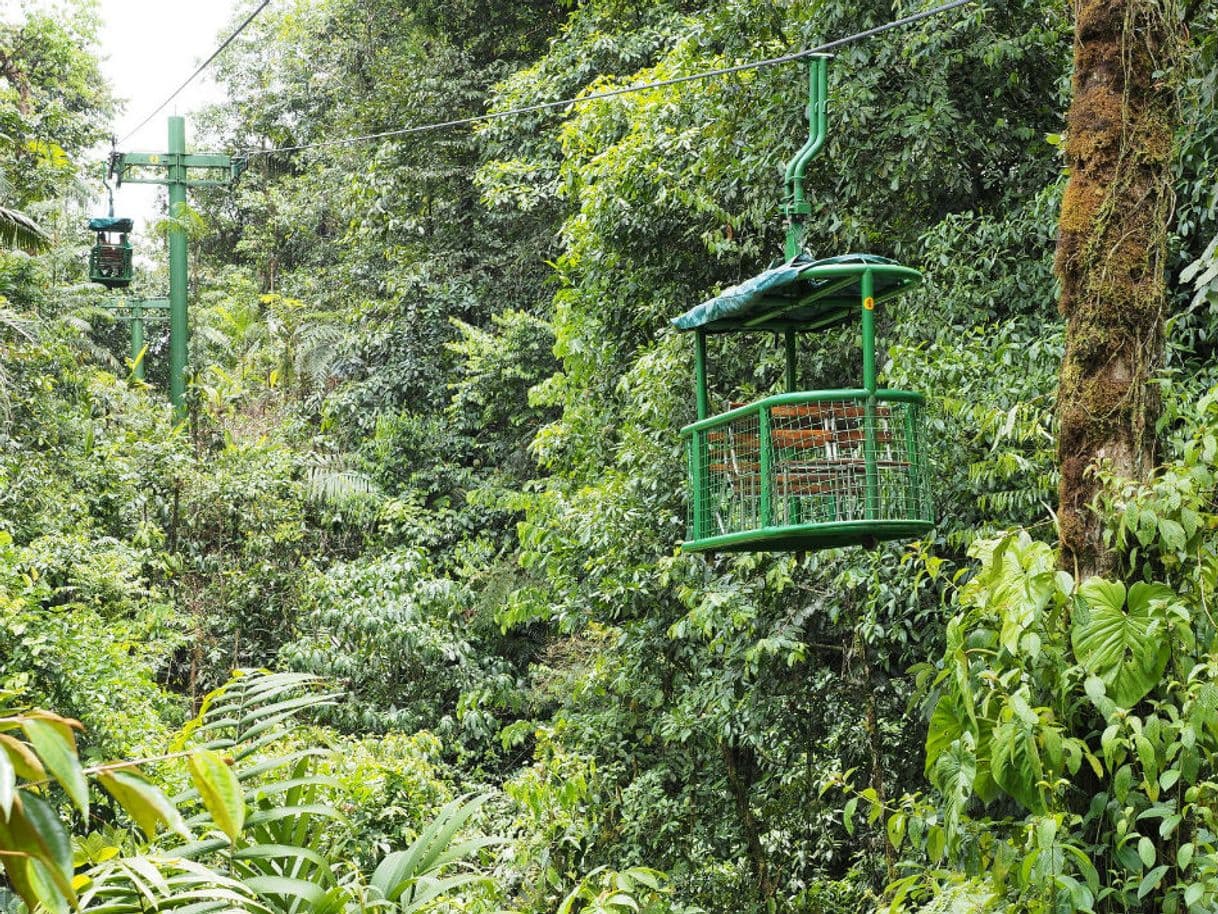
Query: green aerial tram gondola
805, 470
110, 260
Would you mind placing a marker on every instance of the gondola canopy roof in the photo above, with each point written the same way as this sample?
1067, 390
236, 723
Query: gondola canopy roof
801, 294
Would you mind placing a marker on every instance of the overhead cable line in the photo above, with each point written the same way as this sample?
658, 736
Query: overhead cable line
624, 90
203, 66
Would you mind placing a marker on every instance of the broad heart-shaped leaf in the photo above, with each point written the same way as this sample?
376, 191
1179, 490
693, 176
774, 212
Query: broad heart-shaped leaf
1015, 584
220, 790
948, 723
1016, 763
1116, 643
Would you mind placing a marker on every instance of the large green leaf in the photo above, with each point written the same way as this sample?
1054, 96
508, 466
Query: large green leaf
1121, 641
954, 774
143, 801
948, 723
285, 887
220, 790
53, 838
400, 874
53, 740
24, 761
39, 862
1015, 755
1017, 580
8, 783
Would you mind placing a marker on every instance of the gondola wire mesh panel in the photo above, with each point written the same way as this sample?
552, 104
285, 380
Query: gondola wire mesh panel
799, 462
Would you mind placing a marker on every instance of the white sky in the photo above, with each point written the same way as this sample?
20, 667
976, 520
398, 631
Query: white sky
149, 48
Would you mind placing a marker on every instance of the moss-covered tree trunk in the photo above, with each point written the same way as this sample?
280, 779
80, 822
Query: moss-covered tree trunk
1111, 254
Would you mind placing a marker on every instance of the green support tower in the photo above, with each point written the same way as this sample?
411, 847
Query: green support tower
174, 169
137, 312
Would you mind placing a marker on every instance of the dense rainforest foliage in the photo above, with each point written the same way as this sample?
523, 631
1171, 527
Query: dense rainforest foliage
428, 497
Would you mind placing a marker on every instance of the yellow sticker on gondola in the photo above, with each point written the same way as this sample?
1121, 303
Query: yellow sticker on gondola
154, 159
869, 303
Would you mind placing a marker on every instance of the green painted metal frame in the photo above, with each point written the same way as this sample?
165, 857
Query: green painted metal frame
126, 268
875, 527
855, 283
798, 398
137, 312
173, 169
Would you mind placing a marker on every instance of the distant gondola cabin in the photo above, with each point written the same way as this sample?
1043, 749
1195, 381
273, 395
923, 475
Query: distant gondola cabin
110, 260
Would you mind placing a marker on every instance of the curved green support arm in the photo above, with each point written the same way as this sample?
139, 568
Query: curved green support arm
796, 206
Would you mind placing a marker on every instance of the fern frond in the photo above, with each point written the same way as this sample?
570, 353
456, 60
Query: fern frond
328, 479
316, 351
17, 325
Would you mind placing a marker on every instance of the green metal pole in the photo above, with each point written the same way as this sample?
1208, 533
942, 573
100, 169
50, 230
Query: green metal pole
789, 346
179, 326
914, 509
869, 384
137, 338
699, 444
792, 503
700, 371
766, 468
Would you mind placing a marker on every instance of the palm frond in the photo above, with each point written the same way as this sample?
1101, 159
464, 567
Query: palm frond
20, 231
415, 877
252, 710
154, 883
279, 861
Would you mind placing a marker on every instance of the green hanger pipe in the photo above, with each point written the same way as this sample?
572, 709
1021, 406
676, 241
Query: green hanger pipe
870, 438
818, 88
796, 205
789, 351
700, 371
